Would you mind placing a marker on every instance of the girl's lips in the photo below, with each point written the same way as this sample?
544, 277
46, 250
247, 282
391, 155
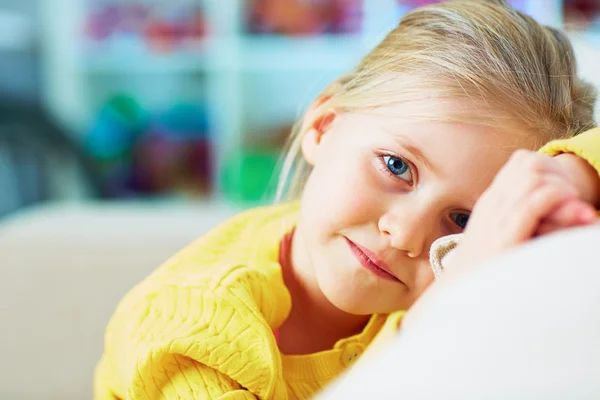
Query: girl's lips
370, 261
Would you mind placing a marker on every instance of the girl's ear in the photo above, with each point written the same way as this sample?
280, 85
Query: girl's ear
316, 123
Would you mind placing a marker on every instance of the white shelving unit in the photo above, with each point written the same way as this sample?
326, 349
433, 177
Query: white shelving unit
251, 83
220, 69
268, 53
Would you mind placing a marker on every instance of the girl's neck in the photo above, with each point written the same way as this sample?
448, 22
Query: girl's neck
314, 323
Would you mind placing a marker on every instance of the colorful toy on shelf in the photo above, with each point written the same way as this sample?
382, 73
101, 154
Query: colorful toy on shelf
176, 27
249, 175
582, 14
175, 154
302, 17
134, 17
162, 25
116, 128
346, 16
112, 137
101, 22
143, 154
107, 20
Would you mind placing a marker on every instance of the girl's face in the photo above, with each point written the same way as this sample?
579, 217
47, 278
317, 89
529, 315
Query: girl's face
381, 191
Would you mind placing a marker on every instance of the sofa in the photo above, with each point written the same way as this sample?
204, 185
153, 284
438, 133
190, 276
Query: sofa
63, 269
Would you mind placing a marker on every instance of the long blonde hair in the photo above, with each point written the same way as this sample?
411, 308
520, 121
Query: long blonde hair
483, 50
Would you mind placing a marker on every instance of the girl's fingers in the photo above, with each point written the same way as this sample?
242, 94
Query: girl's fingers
531, 210
571, 213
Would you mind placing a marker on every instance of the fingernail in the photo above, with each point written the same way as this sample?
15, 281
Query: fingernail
587, 214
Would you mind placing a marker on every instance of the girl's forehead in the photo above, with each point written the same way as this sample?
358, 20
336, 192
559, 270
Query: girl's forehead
447, 117
461, 162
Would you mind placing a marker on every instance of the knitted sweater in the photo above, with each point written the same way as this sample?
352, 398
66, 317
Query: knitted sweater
201, 326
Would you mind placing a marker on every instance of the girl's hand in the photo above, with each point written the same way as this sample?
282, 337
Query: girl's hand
587, 181
530, 193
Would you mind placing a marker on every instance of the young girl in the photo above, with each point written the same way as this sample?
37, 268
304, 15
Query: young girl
278, 301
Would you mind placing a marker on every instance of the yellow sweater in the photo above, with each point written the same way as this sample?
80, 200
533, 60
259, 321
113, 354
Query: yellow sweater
586, 145
200, 327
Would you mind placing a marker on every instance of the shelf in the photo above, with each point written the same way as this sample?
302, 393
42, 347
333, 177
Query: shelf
249, 53
277, 53
140, 63
136, 57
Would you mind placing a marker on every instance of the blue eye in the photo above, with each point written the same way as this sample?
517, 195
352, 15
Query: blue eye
398, 167
460, 219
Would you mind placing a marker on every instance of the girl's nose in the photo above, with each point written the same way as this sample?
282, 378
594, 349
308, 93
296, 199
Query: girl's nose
407, 229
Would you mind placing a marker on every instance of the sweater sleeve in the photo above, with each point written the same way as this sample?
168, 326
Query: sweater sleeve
186, 379
585, 145
181, 342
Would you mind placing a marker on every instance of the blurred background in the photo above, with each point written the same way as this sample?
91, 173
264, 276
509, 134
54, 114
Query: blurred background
130, 127
177, 100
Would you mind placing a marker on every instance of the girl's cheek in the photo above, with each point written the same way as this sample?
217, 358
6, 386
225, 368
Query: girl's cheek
357, 195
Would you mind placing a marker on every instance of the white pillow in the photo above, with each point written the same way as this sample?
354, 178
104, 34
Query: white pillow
524, 326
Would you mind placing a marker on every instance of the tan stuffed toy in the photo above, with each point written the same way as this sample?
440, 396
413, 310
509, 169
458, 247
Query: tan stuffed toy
440, 252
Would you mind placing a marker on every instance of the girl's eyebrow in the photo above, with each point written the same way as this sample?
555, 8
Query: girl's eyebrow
416, 153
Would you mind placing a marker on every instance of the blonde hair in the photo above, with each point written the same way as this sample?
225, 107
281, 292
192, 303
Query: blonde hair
482, 50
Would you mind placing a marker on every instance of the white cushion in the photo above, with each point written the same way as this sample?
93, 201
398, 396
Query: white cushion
62, 271
524, 326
